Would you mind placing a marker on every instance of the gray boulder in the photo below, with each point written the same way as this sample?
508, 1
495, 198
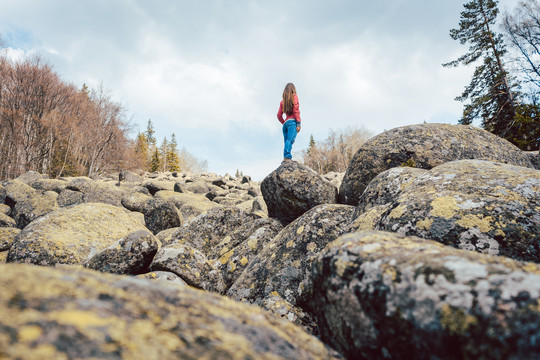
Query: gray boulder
474, 205
381, 295
69, 197
207, 230
423, 146
71, 235
160, 215
284, 264
293, 188
72, 314
130, 255
7, 236
190, 265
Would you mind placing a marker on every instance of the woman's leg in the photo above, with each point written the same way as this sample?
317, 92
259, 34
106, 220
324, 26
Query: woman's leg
289, 135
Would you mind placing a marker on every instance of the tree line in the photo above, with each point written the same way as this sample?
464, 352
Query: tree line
336, 151
51, 126
165, 157
504, 90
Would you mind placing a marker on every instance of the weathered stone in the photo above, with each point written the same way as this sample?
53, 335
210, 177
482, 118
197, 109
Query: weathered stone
165, 276
5, 209
17, 191
237, 250
385, 188
3, 257
381, 295
423, 146
335, 178
198, 187
284, 309
154, 186
99, 192
30, 177
7, 221
130, 255
196, 207
166, 236
207, 230
69, 197
179, 187
160, 215
474, 205
50, 185
129, 176
67, 314
293, 188
7, 235
33, 206
284, 265
136, 201
191, 265
534, 156
71, 235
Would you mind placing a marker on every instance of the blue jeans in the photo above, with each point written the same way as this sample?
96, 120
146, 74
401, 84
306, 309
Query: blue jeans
289, 135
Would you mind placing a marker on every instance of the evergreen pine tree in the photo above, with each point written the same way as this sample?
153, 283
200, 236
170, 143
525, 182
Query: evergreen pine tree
490, 92
150, 135
155, 162
164, 154
173, 159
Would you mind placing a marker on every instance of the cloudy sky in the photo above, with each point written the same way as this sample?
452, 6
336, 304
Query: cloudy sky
213, 71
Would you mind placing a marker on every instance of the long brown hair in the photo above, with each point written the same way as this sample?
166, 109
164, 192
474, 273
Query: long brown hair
288, 98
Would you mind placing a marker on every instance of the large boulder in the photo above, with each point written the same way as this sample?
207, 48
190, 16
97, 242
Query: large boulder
293, 188
381, 295
423, 146
236, 251
7, 236
130, 255
72, 235
160, 215
474, 205
284, 264
190, 265
207, 230
27, 203
48, 313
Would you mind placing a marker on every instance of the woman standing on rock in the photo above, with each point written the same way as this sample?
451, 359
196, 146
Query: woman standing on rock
291, 124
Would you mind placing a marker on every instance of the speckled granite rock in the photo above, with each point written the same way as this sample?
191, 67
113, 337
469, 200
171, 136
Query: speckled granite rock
474, 205
160, 215
190, 265
235, 251
130, 255
387, 186
135, 201
7, 221
7, 235
284, 265
48, 313
31, 207
165, 276
423, 146
386, 296
70, 235
207, 230
293, 188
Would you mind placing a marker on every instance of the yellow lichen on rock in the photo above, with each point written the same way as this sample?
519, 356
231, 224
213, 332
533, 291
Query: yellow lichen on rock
444, 206
397, 212
424, 224
456, 321
474, 221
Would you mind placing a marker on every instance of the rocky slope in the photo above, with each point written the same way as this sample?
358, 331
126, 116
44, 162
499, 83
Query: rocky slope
203, 266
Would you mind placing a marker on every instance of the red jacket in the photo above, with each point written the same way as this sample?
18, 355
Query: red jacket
294, 115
